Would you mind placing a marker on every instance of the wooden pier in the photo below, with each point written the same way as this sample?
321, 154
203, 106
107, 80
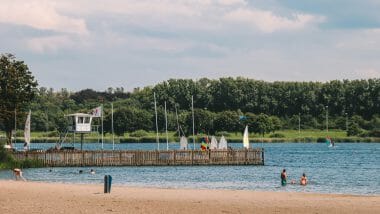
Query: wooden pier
145, 158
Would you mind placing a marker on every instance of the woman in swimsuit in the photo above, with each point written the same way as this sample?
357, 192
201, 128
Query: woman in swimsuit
303, 180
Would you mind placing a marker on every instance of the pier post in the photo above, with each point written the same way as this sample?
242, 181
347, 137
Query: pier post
246, 156
174, 157
192, 157
228, 157
81, 141
82, 162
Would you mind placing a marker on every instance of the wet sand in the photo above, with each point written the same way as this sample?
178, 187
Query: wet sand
35, 197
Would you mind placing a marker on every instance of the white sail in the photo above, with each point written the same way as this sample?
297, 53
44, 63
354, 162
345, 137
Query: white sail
222, 143
183, 143
27, 131
245, 138
214, 143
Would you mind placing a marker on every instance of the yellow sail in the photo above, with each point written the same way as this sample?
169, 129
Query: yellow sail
245, 138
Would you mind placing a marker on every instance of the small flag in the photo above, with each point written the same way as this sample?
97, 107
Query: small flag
97, 112
242, 117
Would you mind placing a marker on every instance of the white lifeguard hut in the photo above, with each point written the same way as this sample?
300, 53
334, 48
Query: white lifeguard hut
80, 123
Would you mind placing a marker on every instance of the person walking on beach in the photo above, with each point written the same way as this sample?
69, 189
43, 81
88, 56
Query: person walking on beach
18, 174
283, 177
303, 180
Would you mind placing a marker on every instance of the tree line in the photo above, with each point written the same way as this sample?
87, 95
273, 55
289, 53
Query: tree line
225, 104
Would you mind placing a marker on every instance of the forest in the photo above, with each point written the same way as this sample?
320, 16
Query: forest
222, 105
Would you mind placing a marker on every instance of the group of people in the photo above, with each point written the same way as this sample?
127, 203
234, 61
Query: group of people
284, 178
92, 172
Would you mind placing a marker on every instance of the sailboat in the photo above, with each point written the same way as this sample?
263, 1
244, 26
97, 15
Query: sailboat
183, 143
214, 143
27, 131
222, 143
245, 138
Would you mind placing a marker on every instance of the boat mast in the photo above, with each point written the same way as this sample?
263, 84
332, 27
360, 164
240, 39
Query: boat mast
155, 110
176, 114
192, 109
15, 129
166, 129
102, 128
113, 135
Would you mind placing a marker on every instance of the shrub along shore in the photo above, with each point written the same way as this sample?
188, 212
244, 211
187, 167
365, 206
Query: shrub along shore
305, 136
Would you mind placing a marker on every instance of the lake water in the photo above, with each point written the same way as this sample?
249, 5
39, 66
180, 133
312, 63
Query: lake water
349, 168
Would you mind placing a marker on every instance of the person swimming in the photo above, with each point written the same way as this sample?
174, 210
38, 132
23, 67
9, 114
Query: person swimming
283, 177
92, 171
303, 180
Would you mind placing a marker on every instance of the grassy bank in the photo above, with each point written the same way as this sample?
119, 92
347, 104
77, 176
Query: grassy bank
279, 136
8, 162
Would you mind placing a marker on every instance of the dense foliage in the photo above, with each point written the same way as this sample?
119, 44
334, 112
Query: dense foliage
17, 90
226, 104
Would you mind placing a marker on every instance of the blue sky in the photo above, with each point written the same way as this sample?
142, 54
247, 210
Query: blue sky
97, 44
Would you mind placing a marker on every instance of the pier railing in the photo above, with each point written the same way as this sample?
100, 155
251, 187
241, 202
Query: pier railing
145, 158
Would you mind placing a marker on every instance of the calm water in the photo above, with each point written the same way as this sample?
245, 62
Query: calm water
352, 168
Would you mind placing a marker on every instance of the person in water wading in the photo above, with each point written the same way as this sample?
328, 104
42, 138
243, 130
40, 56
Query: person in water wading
283, 177
303, 180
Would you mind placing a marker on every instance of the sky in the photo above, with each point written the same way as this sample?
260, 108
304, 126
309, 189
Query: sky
79, 44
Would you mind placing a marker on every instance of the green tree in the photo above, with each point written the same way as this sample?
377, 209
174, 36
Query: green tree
354, 130
275, 123
227, 121
128, 119
17, 90
261, 124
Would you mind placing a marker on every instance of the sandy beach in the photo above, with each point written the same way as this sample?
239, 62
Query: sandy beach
34, 197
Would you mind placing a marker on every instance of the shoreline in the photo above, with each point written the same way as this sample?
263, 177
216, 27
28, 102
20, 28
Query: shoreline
126, 140
40, 197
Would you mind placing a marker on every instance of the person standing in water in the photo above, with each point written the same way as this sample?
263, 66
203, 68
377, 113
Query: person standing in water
303, 180
283, 177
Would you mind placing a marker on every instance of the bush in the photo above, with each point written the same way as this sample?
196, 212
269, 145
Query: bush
139, 133
5, 157
51, 134
277, 135
354, 130
321, 140
224, 133
364, 134
374, 133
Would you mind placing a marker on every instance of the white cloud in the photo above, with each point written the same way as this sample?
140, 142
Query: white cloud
363, 39
268, 22
39, 14
50, 43
232, 2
